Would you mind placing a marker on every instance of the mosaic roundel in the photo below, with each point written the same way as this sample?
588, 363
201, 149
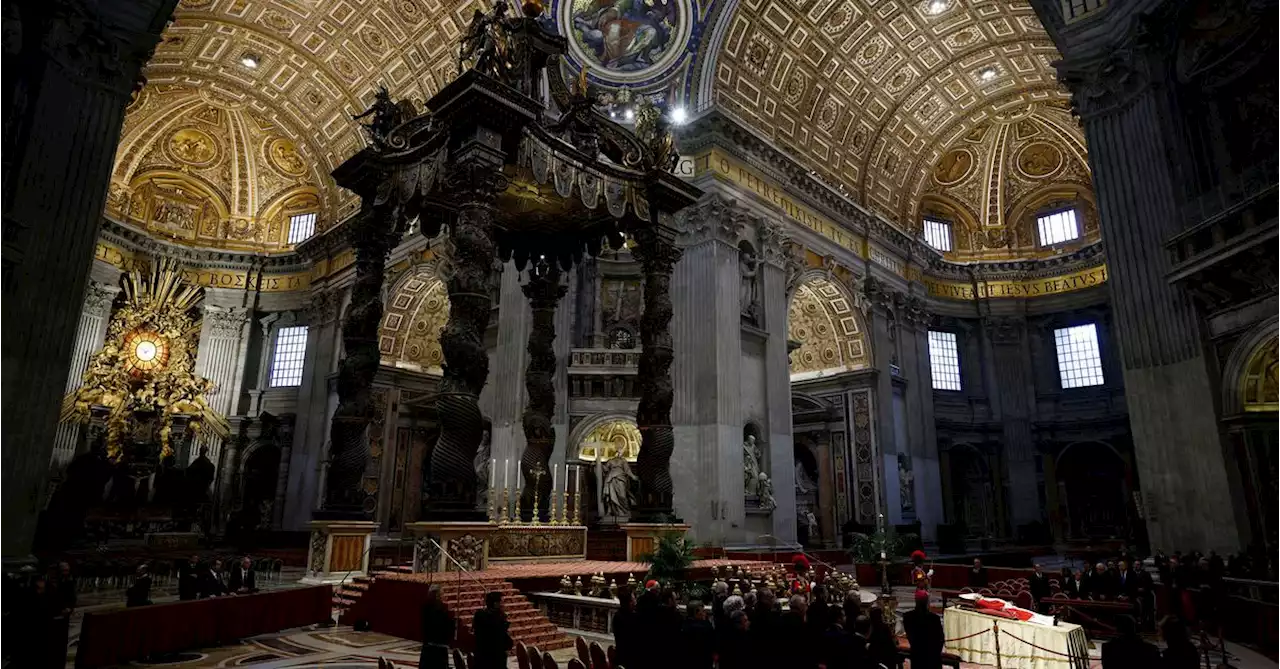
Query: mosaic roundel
1039, 160
954, 167
284, 157
626, 41
193, 147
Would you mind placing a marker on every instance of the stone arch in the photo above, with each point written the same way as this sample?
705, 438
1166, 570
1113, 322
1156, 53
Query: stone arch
1249, 375
823, 318
417, 309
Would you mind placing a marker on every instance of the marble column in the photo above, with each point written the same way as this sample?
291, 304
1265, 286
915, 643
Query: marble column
658, 254
706, 289
74, 66
95, 315
544, 291
311, 430
1131, 122
777, 371
1015, 394
224, 345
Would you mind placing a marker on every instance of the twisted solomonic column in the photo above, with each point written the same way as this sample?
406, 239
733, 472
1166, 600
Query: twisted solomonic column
345, 497
544, 291
452, 483
653, 415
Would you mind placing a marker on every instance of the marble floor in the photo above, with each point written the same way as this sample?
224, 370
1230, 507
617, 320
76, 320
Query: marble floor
343, 648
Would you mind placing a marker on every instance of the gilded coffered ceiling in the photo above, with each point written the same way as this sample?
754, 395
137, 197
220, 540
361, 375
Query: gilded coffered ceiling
869, 93
1003, 168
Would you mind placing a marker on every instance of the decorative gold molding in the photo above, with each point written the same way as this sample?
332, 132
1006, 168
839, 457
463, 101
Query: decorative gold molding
1056, 285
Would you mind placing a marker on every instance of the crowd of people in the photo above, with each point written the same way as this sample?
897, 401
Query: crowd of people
199, 580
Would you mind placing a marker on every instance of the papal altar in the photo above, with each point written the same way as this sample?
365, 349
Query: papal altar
982, 638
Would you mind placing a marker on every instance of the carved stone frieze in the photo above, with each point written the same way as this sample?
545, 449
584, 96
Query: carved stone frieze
913, 312
773, 240
879, 296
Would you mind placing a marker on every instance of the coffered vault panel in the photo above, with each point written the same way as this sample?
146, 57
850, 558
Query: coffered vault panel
823, 320
864, 92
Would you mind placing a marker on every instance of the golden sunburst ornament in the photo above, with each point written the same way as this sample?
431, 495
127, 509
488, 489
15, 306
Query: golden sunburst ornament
147, 363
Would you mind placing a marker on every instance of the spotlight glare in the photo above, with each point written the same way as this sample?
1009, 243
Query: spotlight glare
630, 115
988, 74
249, 60
937, 7
679, 116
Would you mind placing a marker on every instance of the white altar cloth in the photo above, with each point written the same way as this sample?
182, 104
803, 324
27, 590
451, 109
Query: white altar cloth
972, 636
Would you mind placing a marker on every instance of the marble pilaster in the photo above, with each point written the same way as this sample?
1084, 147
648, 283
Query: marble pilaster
224, 345
707, 336
777, 380
1015, 392
926, 468
95, 315
74, 69
1131, 123
315, 406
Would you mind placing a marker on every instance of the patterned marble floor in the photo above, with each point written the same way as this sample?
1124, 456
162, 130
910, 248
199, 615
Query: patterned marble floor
342, 648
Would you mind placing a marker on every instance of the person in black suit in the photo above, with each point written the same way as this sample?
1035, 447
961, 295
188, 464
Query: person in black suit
1126, 581
189, 579
924, 631
837, 644
735, 646
794, 632
697, 639
1181, 652
1128, 650
860, 643
438, 628
978, 577
882, 646
626, 630
243, 578
490, 627
1098, 584
1074, 585
139, 594
770, 650
1038, 584
213, 581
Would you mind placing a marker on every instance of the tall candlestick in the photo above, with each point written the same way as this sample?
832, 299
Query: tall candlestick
506, 473
554, 467
493, 472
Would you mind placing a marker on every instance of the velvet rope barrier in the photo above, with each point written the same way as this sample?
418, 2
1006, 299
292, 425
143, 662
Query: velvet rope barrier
1081, 659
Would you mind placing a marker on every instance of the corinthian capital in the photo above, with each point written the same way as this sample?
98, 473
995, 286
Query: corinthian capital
98, 298
713, 219
226, 322
773, 242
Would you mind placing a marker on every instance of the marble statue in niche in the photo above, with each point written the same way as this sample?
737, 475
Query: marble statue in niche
804, 483
765, 488
749, 266
906, 483
751, 465
618, 477
811, 525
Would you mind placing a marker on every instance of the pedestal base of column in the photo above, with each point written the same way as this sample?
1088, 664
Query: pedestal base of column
339, 550
446, 546
642, 538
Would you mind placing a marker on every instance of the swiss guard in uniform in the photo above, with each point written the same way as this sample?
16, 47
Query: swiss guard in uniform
920, 576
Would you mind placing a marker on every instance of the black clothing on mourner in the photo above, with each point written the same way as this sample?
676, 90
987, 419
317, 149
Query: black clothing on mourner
735, 651
883, 646
243, 580
764, 634
492, 639
793, 633
213, 583
1038, 584
139, 594
438, 628
697, 644
924, 631
1181, 656
189, 581
978, 578
626, 636
837, 648
1129, 652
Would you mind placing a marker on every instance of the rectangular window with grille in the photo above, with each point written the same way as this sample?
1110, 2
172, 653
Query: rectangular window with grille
1079, 358
287, 358
1058, 227
301, 226
944, 360
937, 234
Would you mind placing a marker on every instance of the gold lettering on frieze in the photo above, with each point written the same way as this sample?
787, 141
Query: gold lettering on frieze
1087, 278
731, 171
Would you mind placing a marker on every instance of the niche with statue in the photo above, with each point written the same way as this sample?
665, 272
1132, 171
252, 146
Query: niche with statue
757, 485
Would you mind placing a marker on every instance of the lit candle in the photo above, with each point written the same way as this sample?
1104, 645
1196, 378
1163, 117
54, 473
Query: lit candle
554, 467
506, 473
493, 472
